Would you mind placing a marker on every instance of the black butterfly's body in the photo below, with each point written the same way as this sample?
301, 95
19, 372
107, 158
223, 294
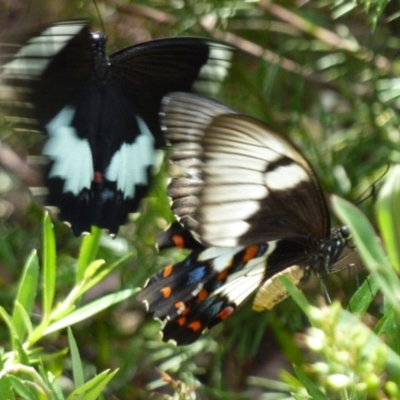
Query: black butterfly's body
101, 113
252, 202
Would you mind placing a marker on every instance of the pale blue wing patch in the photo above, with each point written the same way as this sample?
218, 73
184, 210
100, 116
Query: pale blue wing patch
71, 155
129, 165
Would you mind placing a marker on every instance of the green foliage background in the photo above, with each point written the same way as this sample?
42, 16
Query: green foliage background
322, 72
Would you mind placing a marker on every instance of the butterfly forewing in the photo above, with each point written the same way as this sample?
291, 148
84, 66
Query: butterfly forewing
241, 182
100, 113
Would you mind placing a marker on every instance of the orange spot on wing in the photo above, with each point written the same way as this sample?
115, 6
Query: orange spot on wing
186, 310
203, 294
181, 321
222, 275
195, 326
167, 271
166, 291
179, 304
250, 253
226, 312
178, 241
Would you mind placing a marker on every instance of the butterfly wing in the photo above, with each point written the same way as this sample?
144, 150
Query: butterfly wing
208, 286
158, 67
33, 63
101, 115
242, 183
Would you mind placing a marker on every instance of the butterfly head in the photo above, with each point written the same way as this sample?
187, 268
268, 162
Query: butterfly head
330, 250
101, 63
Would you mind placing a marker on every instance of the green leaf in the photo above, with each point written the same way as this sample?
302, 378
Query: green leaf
8, 321
88, 253
370, 251
90, 309
53, 384
388, 212
25, 299
295, 293
23, 357
49, 265
101, 274
364, 296
5, 388
93, 388
22, 389
77, 368
99, 385
24, 323
311, 388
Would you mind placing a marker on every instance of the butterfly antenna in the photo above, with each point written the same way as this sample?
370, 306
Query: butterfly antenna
372, 188
99, 15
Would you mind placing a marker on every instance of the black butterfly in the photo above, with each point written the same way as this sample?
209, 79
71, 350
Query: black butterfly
100, 113
254, 205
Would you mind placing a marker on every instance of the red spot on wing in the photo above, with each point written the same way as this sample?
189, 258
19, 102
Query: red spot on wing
195, 326
181, 321
226, 312
178, 241
179, 304
98, 177
167, 271
166, 291
250, 253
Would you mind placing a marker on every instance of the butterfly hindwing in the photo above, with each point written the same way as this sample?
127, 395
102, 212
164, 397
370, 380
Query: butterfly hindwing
207, 287
100, 113
176, 236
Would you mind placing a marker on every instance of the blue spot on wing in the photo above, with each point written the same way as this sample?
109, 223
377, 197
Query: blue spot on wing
197, 274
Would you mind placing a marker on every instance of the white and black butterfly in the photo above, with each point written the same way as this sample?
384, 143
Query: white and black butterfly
100, 113
252, 205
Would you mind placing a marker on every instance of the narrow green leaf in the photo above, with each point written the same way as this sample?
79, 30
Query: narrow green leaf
93, 387
384, 323
95, 392
8, 321
311, 388
24, 324
370, 251
49, 265
53, 384
295, 293
101, 274
77, 369
389, 327
388, 212
362, 232
23, 357
5, 388
25, 298
22, 389
90, 309
364, 296
88, 252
